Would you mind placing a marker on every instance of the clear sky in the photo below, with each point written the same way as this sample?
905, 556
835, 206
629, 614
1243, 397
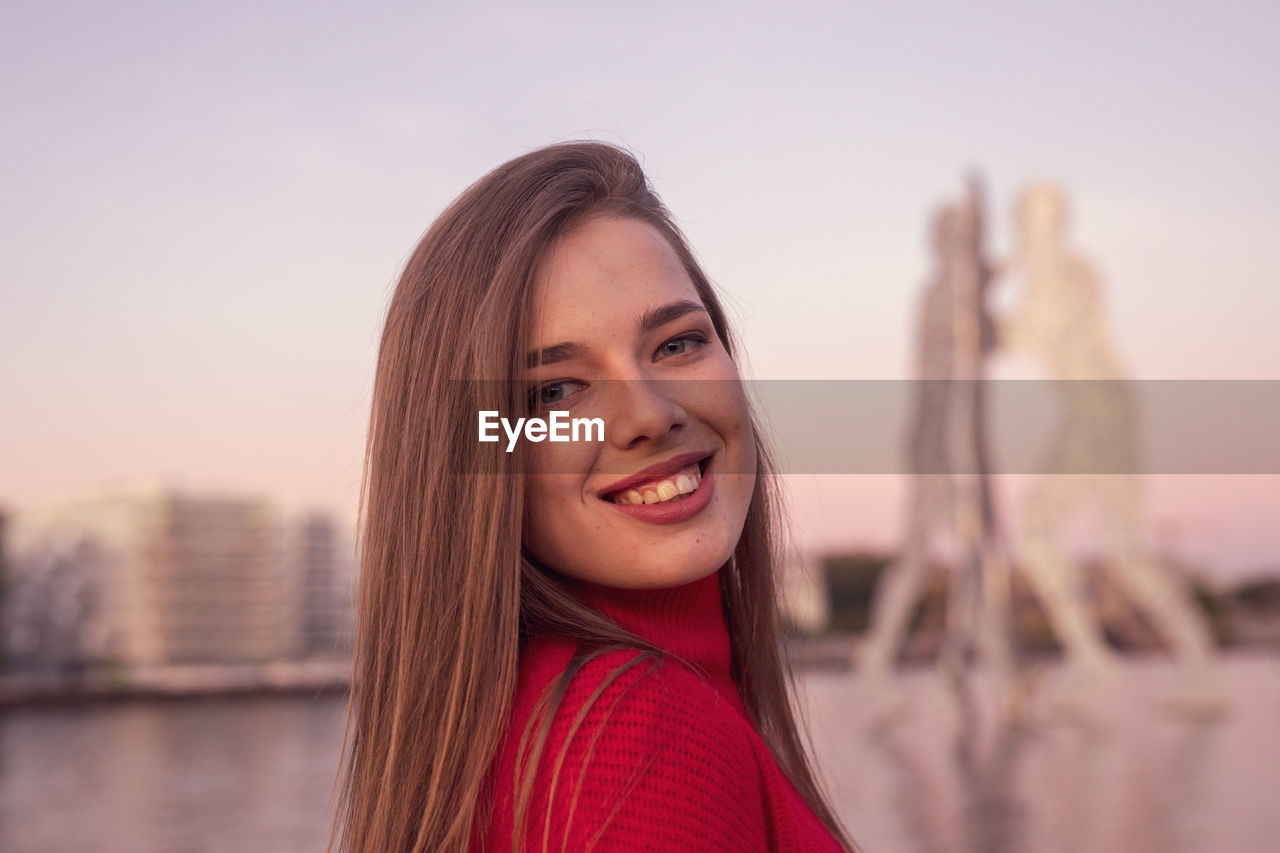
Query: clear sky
206, 204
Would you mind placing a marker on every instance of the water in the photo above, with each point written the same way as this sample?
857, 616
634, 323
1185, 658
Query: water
255, 774
246, 774
1129, 776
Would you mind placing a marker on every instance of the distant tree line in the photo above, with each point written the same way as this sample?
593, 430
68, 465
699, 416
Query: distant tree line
1246, 612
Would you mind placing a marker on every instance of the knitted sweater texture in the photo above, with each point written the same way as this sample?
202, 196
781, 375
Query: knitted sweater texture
644, 752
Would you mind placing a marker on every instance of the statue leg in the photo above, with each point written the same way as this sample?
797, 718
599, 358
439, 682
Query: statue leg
898, 591
995, 640
1159, 594
1054, 576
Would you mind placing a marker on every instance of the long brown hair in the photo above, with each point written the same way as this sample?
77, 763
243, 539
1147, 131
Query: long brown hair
445, 591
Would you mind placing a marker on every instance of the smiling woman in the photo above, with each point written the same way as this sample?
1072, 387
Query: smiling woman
574, 645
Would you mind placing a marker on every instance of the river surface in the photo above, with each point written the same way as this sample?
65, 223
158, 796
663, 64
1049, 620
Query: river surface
256, 773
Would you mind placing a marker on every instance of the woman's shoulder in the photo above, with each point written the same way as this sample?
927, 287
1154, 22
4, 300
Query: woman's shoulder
632, 681
640, 746
633, 702
642, 681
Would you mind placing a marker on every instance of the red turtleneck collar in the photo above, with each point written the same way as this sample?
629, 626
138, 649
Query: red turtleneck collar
685, 621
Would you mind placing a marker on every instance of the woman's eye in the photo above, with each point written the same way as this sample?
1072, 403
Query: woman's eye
682, 344
550, 394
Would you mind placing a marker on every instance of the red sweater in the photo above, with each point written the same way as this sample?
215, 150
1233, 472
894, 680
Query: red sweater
674, 763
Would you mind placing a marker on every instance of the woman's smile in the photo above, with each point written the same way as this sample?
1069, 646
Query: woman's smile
656, 497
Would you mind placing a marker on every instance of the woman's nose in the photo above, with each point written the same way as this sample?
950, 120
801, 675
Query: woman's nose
643, 409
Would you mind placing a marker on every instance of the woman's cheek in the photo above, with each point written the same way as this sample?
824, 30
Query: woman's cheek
555, 492
549, 518
561, 459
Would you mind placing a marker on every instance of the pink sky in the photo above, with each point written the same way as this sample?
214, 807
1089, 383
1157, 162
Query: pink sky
206, 207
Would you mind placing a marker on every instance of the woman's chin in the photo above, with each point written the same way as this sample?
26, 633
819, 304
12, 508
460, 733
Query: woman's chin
665, 577
650, 571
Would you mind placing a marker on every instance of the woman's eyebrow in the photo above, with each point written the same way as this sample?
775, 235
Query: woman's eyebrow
555, 353
654, 318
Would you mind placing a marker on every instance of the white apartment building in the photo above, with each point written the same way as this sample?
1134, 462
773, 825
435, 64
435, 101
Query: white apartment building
161, 577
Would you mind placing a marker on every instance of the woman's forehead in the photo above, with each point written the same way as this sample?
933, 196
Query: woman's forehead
607, 273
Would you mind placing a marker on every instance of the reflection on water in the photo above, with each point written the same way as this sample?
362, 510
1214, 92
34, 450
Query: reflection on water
256, 773
249, 774
1126, 777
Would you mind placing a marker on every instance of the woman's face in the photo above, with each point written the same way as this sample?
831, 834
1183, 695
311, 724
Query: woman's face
621, 335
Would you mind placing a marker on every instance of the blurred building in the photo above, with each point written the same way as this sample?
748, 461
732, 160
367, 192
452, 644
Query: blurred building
804, 603
160, 577
4, 579
325, 560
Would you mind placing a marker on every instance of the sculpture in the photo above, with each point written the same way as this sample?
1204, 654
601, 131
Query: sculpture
1092, 456
950, 511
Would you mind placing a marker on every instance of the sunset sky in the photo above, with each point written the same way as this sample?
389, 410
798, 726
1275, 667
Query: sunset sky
207, 205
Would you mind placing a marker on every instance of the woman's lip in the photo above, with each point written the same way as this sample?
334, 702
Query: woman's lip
660, 471
676, 511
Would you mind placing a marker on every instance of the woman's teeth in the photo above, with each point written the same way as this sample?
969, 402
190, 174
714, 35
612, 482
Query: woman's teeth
661, 491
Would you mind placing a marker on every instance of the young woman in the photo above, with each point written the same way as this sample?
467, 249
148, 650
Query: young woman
572, 645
